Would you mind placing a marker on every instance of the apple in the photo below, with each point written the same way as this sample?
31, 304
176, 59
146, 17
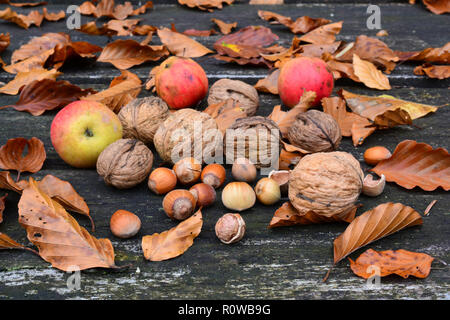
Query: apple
81, 130
181, 82
304, 74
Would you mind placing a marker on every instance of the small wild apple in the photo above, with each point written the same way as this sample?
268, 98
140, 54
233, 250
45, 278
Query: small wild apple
81, 130
181, 82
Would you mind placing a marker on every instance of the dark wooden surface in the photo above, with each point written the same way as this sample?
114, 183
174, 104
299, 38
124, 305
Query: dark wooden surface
285, 263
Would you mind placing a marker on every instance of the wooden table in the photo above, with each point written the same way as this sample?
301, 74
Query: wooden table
284, 263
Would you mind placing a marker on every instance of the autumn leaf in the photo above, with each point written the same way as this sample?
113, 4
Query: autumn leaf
33, 62
434, 72
47, 94
199, 33
288, 160
5, 40
436, 55
300, 25
24, 78
24, 21
59, 238
325, 34
174, 242
437, 6
121, 91
205, 5
401, 262
287, 215
181, 45
7, 243
225, 113
53, 16
8, 183
224, 27
386, 111
384, 220
2, 206
40, 44
369, 74
107, 8
417, 164
266, 2
270, 83
12, 158
25, 4
318, 50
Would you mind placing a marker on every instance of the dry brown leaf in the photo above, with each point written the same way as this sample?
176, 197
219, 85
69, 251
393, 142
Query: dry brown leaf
8, 183
25, 4
325, 34
287, 215
300, 25
7, 243
225, 113
434, 72
224, 27
47, 94
53, 16
181, 45
318, 50
269, 84
401, 262
384, 220
437, 55
174, 242
386, 111
23, 78
119, 27
59, 238
205, 5
24, 21
266, 2
107, 8
369, 74
34, 62
12, 158
288, 160
437, 6
124, 54
417, 165
5, 40
361, 130
199, 33
2, 206
121, 91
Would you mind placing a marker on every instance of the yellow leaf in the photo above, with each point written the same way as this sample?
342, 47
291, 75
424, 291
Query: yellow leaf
369, 74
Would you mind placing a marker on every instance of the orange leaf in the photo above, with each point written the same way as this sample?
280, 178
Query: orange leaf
434, 72
401, 262
288, 160
174, 242
269, 83
58, 236
206, 5
53, 16
24, 21
122, 90
11, 155
25, 78
7, 243
225, 113
325, 34
5, 40
361, 130
369, 74
25, 4
6, 182
266, 2
47, 94
107, 8
2, 206
287, 215
124, 54
34, 62
300, 25
181, 45
384, 220
224, 27
417, 164
437, 6
438, 55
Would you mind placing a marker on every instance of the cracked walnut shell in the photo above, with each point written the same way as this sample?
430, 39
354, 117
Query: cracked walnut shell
315, 131
328, 183
125, 163
243, 93
141, 118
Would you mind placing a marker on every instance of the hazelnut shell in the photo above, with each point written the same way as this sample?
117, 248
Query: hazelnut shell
124, 224
230, 228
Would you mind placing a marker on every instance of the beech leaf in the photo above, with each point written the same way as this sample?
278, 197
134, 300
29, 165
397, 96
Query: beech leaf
24, 21
5, 40
383, 220
59, 238
438, 55
181, 45
416, 164
2, 206
23, 78
174, 242
205, 5
7, 243
225, 113
224, 27
369, 74
8, 183
269, 84
325, 34
401, 262
300, 25
437, 6
434, 72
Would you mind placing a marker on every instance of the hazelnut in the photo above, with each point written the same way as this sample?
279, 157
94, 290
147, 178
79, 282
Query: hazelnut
187, 170
375, 154
204, 194
373, 188
230, 228
315, 131
162, 180
267, 191
238, 196
243, 170
214, 175
243, 93
141, 118
124, 224
282, 177
125, 163
179, 204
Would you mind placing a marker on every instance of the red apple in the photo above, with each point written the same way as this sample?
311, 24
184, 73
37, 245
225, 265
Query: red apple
181, 82
304, 74
81, 130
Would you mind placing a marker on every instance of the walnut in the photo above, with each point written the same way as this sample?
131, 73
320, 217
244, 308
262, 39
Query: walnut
315, 131
245, 94
125, 163
188, 133
327, 183
141, 118
255, 138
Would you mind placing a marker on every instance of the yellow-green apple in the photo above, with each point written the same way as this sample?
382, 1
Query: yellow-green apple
181, 82
304, 74
81, 130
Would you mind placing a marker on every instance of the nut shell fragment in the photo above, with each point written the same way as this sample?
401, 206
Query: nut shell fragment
230, 228
373, 188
